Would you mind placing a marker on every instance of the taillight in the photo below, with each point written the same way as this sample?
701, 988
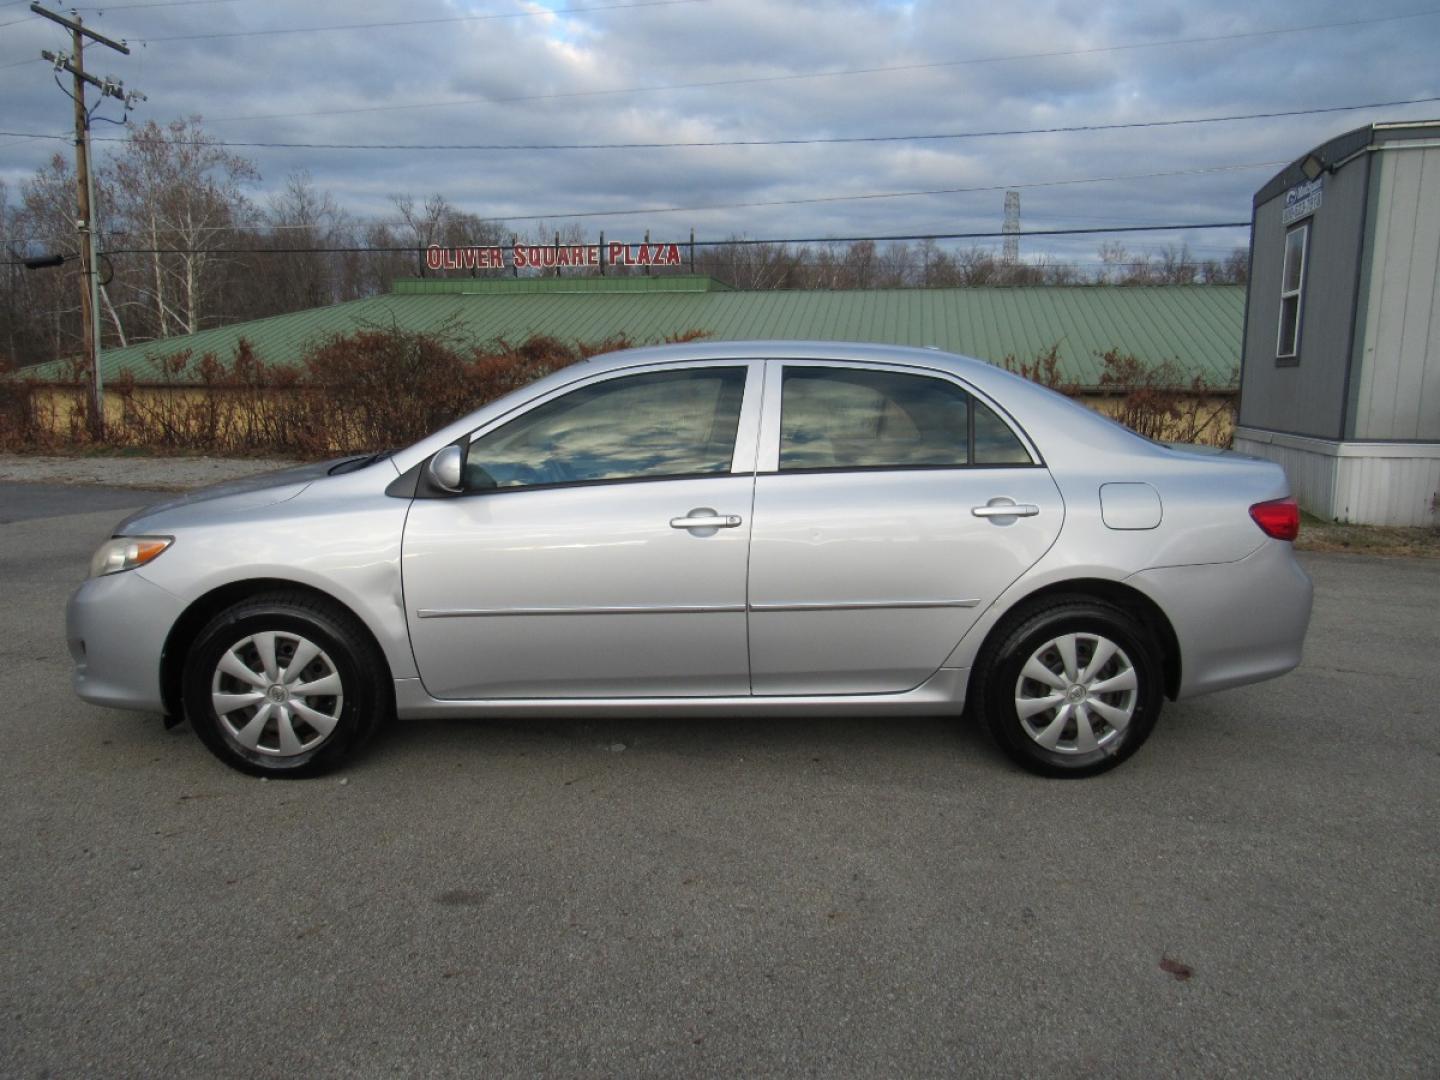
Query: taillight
1278, 518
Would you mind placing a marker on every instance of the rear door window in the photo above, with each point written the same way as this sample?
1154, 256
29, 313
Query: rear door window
854, 418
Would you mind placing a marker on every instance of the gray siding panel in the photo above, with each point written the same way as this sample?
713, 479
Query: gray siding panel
1398, 393
1307, 398
1387, 491
1363, 483
1430, 390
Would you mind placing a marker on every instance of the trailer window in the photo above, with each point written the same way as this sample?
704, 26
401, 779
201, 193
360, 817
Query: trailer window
1292, 285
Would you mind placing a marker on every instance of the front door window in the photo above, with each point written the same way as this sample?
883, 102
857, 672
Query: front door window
666, 424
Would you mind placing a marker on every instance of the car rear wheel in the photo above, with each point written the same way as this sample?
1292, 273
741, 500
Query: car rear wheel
1072, 687
285, 684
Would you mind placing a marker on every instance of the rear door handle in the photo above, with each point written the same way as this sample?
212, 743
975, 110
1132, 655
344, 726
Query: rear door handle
705, 518
1007, 509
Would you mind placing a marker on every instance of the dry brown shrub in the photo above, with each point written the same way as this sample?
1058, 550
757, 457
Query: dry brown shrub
32, 418
1155, 400
378, 387
19, 405
500, 368
382, 387
1044, 369
235, 406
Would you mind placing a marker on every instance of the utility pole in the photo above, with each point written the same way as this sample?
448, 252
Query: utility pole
74, 63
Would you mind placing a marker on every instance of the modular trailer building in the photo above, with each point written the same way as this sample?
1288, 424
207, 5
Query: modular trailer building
1340, 378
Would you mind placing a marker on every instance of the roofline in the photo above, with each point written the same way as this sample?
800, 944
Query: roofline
1083, 389
1336, 152
776, 349
1391, 125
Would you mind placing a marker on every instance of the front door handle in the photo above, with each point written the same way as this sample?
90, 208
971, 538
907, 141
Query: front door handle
996, 509
705, 518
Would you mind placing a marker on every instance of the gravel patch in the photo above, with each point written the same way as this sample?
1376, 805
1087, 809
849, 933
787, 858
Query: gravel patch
154, 473
1421, 542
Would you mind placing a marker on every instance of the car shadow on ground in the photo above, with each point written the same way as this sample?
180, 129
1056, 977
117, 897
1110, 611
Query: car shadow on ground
709, 737
877, 744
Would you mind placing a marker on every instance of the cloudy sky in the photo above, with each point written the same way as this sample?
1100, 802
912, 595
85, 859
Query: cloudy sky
626, 71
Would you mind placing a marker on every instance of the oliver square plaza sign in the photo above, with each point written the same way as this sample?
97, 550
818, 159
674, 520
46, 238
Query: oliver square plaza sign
550, 256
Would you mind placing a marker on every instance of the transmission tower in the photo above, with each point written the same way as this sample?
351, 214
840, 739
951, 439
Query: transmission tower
1010, 255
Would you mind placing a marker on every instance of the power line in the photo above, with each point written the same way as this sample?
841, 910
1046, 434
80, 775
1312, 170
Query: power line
27, 138
861, 197
356, 26
151, 4
732, 242
885, 194
1198, 250
123, 7
418, 22
816, 141
102, 8
993, 233
761, 79
410, 250
1197, 257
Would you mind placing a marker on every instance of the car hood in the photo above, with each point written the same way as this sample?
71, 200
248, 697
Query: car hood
232, 496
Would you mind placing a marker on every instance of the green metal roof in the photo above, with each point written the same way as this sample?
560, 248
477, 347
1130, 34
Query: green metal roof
1197, 326
503, 286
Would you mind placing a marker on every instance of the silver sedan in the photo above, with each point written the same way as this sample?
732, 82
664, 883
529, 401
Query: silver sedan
758, 527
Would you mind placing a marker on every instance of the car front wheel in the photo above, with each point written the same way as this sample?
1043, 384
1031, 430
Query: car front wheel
1072, 688
284, 685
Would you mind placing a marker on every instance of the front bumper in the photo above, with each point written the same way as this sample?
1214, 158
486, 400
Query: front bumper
1237, 623
116, 628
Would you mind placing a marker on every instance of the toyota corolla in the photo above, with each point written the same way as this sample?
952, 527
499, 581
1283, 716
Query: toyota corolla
759, 527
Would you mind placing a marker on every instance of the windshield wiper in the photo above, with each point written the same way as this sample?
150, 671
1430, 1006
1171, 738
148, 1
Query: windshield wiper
356, 464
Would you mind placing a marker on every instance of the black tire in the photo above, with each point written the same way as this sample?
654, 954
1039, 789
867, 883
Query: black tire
366, 701
1017, 640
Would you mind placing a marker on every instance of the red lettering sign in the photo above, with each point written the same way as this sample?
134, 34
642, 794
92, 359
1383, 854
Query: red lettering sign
549, 256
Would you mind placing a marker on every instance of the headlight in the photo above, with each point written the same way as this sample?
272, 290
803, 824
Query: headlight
126, 553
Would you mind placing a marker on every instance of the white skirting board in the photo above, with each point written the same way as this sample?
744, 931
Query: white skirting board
1363, 483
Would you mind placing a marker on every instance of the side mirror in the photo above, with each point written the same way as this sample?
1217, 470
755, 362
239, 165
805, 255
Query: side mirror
445, 470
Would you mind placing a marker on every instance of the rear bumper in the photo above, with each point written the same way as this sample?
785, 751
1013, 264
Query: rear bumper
1238, 622
115, 627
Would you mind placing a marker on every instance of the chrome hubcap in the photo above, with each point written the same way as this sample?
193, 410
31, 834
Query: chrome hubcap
1076, 693
277, 693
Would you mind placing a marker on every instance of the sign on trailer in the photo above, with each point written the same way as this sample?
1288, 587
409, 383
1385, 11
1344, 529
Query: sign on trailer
1302, 200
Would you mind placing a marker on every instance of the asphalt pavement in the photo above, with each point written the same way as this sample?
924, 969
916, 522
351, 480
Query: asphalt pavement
1257, 891
25, 501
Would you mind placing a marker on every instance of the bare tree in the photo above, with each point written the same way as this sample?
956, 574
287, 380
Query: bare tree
896, 265
180, 199
752, 266
306, 220
1234, 269
436, 221
976, 266
1176, 266
46, 222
